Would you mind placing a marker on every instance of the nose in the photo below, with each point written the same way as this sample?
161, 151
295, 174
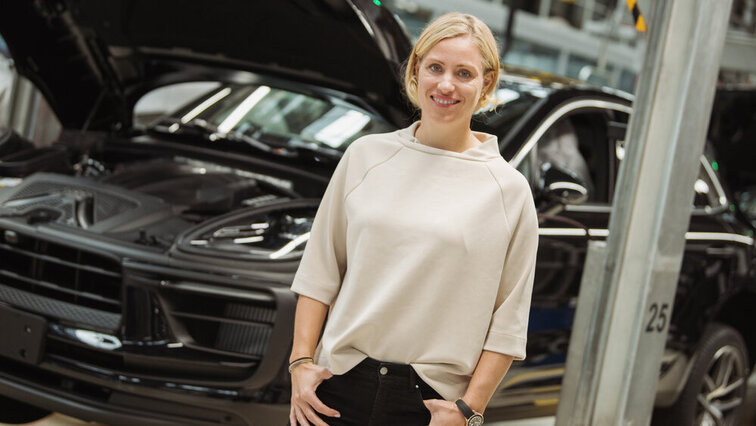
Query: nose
445, 85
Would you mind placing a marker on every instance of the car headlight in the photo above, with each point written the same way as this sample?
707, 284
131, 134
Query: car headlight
277, 232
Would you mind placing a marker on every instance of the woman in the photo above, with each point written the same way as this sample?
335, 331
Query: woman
422, 254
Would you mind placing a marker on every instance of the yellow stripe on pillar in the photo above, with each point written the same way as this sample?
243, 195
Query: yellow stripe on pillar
640, 23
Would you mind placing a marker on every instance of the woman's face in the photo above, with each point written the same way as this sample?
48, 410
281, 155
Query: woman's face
450, 81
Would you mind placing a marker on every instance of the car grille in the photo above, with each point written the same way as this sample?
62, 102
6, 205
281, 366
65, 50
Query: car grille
59, 281
221, 324
194, 331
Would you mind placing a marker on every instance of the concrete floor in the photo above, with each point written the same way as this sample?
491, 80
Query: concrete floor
748, 420
61, 420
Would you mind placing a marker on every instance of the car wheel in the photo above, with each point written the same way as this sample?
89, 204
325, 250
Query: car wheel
16, 412
715, 392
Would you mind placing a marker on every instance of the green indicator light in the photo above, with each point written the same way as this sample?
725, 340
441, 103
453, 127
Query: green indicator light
750, 232
715, 165
377, 2
732, 207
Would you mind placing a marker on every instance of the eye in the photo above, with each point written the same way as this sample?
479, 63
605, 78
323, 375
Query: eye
465, 74
435, 68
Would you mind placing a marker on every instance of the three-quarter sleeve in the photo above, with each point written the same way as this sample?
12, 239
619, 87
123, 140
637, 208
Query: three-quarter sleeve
324, 260
507, 333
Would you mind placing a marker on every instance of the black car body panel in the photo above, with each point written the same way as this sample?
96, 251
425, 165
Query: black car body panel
154, 264
716, 281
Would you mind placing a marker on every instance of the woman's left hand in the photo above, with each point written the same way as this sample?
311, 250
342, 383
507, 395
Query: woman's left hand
444, 413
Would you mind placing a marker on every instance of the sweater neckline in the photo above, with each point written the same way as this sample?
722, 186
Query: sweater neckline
484, 151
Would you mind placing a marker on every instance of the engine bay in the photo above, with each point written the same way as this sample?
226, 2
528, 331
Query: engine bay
154, 200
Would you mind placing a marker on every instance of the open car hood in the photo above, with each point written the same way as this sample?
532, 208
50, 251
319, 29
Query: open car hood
92, 59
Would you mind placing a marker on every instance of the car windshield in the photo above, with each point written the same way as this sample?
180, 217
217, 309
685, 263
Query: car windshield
270, 117
278, 117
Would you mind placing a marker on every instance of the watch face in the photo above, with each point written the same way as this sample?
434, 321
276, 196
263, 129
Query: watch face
475, 420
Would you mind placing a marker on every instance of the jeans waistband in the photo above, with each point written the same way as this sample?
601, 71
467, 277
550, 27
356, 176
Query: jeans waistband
387, 368
374, 368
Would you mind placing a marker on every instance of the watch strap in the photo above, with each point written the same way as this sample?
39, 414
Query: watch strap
464, 408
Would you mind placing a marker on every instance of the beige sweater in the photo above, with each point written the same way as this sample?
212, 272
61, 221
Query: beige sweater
425, 256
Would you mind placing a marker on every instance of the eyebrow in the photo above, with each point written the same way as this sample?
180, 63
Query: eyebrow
464, 64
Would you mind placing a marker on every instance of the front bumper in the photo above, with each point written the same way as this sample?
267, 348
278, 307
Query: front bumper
140, 338
88, 401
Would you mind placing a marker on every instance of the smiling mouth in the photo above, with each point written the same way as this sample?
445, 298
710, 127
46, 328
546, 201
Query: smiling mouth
444, 102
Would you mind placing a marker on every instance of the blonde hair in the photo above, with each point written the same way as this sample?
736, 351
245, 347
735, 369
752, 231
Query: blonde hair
452, 25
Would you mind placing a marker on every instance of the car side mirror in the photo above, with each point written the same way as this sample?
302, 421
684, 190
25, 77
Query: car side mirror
561, 186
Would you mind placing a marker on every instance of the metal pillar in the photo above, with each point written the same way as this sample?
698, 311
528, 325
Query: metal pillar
613, 361
614, 23
588, 7
23, 107
544, 7
7, 84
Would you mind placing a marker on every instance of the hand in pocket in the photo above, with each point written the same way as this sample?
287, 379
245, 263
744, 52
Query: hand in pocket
305, 379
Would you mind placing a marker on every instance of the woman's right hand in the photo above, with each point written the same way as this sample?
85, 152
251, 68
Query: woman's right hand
305, 378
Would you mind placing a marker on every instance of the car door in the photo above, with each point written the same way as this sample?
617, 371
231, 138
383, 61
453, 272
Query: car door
577, 141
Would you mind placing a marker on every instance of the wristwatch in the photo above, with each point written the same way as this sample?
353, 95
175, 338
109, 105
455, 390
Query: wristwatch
473, 418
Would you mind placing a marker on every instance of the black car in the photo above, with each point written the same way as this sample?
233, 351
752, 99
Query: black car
144, 274
144, 270
570, 144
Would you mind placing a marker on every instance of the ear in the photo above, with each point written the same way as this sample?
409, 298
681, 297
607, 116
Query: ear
488, 80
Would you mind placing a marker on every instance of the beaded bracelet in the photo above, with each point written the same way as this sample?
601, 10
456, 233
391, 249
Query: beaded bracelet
298, 361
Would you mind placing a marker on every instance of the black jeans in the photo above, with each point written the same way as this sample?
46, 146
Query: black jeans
376, 393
